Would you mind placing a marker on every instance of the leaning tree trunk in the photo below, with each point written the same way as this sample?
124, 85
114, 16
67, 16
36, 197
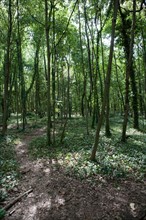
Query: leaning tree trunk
7, 64
107, 82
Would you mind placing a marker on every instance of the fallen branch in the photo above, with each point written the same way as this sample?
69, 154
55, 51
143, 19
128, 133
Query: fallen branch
8, 206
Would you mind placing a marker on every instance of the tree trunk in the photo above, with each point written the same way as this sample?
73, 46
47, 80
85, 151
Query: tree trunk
37, 83
107, 82
20, 67
89, 100
118, 82
68, 89
126, 40
47, 30
144, 60
7, 64
84, 109
53, 70
129, 69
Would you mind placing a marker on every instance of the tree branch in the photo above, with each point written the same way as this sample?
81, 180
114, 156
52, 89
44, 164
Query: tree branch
66, 25
8, 206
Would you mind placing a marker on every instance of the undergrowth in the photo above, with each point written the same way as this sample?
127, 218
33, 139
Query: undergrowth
8, 166
114, 159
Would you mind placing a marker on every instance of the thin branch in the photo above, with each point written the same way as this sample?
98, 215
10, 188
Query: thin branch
142, 6
37, 20
34, 18
8, 206
66, 25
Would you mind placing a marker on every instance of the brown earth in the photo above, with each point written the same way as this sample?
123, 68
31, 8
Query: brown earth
56, 196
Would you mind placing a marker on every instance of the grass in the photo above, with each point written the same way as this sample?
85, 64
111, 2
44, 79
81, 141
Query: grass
114, 159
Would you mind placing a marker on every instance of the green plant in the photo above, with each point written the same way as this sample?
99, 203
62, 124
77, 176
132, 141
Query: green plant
2, 213
9, 166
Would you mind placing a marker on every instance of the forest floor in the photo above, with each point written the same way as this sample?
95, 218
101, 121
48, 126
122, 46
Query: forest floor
57, 196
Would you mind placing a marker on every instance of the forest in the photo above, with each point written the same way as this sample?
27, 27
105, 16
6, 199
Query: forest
72, 110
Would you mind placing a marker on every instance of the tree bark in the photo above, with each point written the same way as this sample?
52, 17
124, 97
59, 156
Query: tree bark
37, 82
126, 42
129, 69
47, 31
7, 65
68, 89
107, 82
20, 69
144, 60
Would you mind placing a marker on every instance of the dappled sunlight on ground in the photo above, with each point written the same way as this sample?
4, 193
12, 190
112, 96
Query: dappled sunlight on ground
56, 195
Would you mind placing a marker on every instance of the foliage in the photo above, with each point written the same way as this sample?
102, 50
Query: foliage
75, 59
114, 158
8, 164
2, 213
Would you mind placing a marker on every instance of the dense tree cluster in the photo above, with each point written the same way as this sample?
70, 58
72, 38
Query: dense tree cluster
64, 58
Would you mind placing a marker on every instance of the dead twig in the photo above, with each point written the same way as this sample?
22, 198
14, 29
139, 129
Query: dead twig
8, 206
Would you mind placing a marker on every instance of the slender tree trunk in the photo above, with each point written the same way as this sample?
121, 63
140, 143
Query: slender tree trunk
118, 82
89, 105
53, 70
103, 62
97, 73
37, 82
47, 30
7, 70
84, 109
17, 99
144, 60
134, 100
107, 122
128, 71
68, 89
20, 67
107, 82
126, 40
140, 80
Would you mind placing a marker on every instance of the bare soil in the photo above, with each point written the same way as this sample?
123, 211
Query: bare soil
57, 196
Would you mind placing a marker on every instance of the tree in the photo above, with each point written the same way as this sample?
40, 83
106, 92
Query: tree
7, 65
126, 43
107, 81
129, 68
47, 31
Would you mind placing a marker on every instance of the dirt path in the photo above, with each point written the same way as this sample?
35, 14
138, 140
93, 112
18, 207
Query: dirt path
56, 196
